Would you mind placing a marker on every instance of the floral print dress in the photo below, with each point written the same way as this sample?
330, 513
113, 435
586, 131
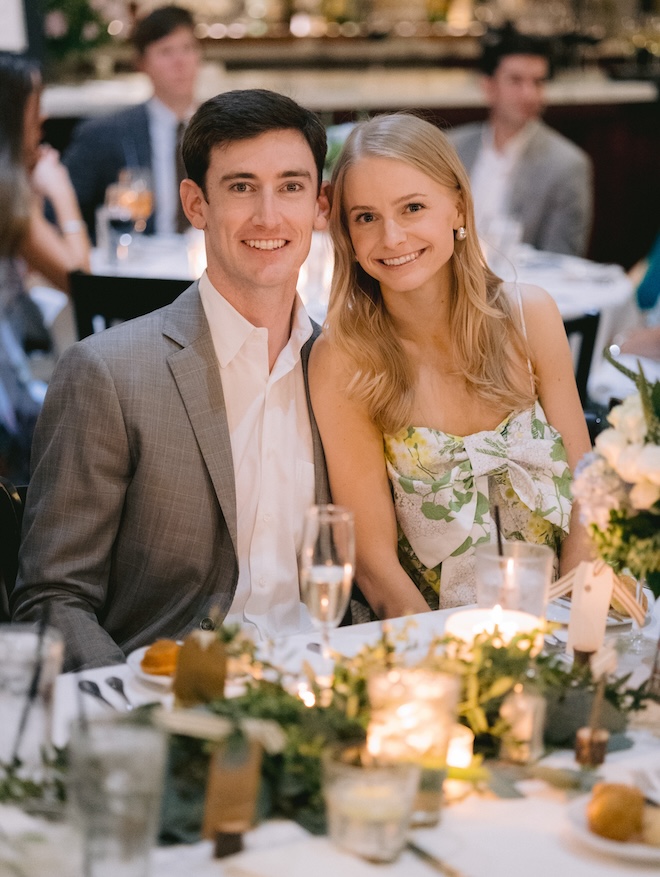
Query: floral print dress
445, 486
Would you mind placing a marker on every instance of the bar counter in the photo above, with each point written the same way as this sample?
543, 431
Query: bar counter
330, 91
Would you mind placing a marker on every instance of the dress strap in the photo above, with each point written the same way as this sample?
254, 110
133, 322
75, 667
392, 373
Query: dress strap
524, 331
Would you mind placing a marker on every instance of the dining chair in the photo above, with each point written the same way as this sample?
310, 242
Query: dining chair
101, 301
12, 499
581, 333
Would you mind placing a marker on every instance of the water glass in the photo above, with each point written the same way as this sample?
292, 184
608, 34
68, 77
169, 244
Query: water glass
518, 579
115, 786
28, 669
368, 803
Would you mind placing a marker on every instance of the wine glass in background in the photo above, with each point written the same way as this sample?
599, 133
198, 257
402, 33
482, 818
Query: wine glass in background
136, 192
128, 206
327, 563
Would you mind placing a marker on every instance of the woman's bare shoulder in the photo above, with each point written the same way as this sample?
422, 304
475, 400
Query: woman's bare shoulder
327, 362
537, 303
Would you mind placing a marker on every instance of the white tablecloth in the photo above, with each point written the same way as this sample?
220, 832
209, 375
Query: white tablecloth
479, 835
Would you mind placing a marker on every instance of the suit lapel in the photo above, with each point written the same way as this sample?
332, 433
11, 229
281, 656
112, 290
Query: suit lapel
195, 370
322, 487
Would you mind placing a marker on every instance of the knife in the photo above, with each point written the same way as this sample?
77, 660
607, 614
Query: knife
433, 861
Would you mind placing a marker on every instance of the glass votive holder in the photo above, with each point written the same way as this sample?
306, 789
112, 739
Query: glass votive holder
28, 669
413, 714
368, 803
517, 579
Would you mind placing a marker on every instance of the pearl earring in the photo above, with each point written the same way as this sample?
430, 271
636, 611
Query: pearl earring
460, 233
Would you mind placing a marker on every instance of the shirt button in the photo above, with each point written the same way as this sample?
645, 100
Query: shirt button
267, 517
262, 581
207, 624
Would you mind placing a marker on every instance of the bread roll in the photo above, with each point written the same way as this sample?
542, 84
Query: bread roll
161, 657
616, 811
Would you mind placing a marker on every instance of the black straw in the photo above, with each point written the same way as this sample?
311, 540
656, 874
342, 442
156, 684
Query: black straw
496, 516
34, 681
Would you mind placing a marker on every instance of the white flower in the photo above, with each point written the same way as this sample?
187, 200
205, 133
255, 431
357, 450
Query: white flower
649, 464
628, 419
610, 443
627, 465
644, 495
598, 490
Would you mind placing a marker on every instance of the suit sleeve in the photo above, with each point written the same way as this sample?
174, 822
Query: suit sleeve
81, 468
570, 213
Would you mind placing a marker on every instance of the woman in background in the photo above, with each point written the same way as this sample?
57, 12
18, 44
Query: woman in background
29, 174
440, 392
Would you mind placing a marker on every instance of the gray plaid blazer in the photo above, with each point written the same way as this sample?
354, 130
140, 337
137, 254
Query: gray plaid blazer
130, 523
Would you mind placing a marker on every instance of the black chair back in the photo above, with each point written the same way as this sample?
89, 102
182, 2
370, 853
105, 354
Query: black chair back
584, 329
101, 301
12, 499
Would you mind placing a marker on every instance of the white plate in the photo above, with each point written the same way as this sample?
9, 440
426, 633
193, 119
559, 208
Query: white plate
134, 659
633, 852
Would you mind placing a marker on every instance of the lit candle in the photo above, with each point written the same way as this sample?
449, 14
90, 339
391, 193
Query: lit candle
461, 745
412, 714
506, 623
590, 603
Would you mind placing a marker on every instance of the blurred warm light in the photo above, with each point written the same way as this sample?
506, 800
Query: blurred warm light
115, 27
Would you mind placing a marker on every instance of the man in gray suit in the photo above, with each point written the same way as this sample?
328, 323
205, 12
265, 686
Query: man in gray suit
518, 166
146, 135
176, 454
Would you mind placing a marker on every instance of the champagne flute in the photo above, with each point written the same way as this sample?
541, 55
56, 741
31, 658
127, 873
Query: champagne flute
327, 562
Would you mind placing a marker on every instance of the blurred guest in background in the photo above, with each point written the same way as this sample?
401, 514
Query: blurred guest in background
518, 166
29, 173
147, 135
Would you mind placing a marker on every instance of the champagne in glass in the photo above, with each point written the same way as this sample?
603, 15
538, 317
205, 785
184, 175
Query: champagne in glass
327, 562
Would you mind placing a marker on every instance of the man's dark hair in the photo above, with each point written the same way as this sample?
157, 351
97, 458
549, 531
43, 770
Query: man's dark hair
158, 24
242, 115
501, 42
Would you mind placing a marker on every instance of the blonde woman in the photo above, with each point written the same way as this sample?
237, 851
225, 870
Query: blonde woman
439, 391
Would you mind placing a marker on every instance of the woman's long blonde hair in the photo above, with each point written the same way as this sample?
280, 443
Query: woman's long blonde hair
480, 320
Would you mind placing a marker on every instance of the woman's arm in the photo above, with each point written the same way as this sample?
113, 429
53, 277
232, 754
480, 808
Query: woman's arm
553, 365
55, 251
358, 480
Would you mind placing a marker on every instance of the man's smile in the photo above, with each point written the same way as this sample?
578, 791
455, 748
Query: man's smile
276, 244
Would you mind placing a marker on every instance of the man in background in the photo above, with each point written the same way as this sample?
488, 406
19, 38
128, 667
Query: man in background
147, 135
519, 167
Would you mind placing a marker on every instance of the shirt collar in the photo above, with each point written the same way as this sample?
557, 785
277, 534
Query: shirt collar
162, 113
516, 145
230, 330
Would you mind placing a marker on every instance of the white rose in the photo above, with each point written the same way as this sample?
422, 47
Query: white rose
628, 418
610, 444
644, 495
627, 466
649, 463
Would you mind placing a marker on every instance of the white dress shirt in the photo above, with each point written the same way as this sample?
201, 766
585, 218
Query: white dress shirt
163, 124
493, 176
271, 441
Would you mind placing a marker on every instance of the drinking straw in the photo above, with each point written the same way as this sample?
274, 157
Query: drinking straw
496, 516
34, 681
